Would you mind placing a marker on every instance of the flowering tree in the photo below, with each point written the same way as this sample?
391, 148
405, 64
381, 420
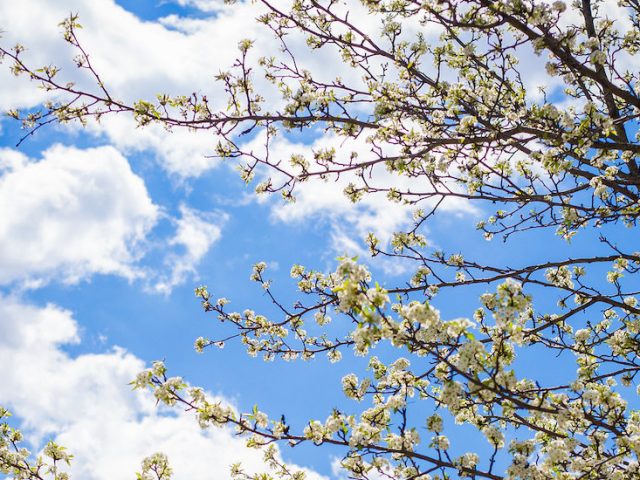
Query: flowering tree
442, 103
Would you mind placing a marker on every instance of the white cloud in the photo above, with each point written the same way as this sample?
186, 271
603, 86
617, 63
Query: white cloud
86, 404
195, 233
71, 214
136, 59
203, 5
180, 55
182, 153
318, 200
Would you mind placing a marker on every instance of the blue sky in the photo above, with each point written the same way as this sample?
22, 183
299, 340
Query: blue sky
107, 231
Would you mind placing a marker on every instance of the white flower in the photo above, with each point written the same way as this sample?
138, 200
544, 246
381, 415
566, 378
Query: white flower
314, 431
467, 123
560, 277
434, 423
440, 442
559, 6
582, 335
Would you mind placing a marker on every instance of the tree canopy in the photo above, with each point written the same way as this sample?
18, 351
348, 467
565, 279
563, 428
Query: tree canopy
435, 103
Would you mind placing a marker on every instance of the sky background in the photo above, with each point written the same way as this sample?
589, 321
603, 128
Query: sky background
106, 231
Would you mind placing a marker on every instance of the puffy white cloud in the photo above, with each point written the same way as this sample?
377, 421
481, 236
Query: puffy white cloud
180, 55
195, 233
203, 5
71, 214
136, 59
318, 200
86, 404
181, 153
